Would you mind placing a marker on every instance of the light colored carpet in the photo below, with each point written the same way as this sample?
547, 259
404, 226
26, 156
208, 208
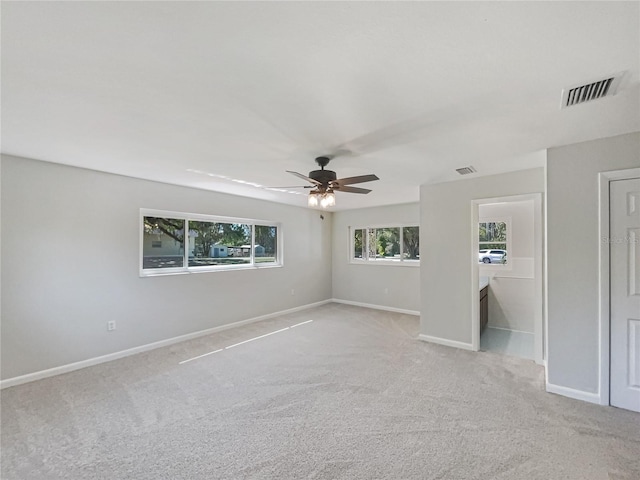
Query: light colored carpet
351, 395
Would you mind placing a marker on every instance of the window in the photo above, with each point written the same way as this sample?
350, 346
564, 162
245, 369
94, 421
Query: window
211, 243
397, 245
493, 242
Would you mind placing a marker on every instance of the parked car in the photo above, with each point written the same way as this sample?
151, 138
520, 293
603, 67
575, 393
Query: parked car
492, 256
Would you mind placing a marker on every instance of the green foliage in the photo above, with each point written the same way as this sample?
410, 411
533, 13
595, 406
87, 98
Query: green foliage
492, 232
208, 234
388, 241
266, 236
358, 243
385, 242
172, 227
411, 242
382, 244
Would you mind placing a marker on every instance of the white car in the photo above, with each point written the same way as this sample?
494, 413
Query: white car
492, 256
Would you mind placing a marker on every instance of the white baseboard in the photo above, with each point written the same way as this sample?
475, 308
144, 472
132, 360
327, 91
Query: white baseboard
575, 394
32, 377
446, 342
376, 307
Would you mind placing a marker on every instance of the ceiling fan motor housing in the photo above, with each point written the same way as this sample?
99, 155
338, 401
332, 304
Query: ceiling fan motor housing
323, 176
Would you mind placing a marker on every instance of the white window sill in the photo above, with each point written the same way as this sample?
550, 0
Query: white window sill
394, 263
190, 270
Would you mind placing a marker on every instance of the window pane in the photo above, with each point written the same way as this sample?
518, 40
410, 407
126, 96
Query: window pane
212, 243
372, 252
163, 243
482, 236
359, 243
266, 238
492, 235
411, 243
387, 243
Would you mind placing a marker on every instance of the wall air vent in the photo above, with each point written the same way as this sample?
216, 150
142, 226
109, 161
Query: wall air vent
606, 87
466, 170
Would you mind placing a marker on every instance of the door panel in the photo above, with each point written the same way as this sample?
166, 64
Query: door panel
634, 353
624, 248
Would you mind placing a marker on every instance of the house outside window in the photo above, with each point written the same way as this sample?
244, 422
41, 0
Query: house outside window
210, 243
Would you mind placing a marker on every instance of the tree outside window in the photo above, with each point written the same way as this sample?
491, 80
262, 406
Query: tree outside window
181, 245
386, 244
492, 242
266, 247
163, 242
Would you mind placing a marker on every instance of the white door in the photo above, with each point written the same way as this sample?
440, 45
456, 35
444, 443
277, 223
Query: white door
624, 248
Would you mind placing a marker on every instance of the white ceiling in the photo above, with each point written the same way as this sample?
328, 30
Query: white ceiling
244, 91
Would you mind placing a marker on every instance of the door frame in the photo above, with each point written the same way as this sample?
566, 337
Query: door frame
604, 275
539, 348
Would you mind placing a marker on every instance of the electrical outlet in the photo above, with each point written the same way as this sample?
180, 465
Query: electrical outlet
293, 292
386, 291
111, 325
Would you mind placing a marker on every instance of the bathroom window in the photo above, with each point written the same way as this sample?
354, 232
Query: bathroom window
493, 242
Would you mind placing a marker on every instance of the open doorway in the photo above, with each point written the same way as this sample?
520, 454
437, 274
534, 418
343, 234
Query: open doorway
507, 276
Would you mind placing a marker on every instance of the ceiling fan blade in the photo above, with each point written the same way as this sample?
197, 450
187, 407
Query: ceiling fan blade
293, 186
351, 189
304, 177
358, 179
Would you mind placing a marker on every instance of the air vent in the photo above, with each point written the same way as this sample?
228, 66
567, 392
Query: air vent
591, 91
466, 170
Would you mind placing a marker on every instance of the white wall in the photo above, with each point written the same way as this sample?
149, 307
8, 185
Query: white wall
367, 283
512, 287
70, 253
572, 255
446, 249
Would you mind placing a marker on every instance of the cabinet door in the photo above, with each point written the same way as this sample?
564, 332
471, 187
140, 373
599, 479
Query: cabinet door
484, 308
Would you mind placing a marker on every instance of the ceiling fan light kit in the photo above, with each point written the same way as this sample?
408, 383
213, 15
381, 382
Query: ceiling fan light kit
323, 199
325, 182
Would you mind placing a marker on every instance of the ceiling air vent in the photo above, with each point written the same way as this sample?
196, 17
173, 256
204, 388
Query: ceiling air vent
591, 91
466, 170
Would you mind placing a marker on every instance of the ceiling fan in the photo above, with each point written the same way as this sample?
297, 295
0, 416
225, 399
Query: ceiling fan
325, 182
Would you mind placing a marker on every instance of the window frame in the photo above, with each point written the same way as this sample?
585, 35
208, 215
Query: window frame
400, 262
185, 268
507, 222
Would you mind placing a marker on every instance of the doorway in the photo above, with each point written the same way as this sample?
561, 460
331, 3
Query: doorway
507, 276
